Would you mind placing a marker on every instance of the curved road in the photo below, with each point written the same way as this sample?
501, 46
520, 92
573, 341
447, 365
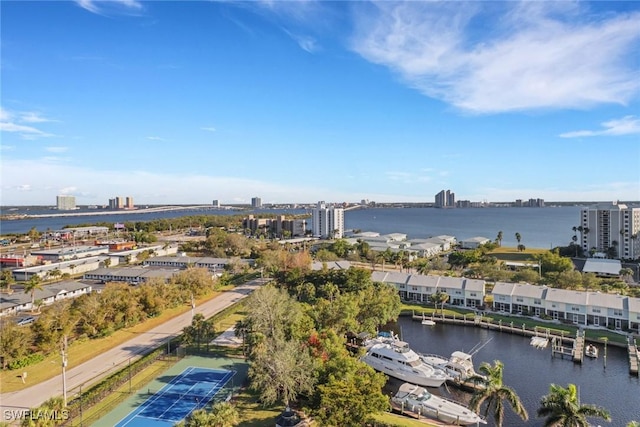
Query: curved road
93, 370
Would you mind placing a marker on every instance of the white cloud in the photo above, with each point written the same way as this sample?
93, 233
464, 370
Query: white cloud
34, 117
628, 125
99, 6
155, 138
532, 57
14, 123
26, 132
67, 190
7, 147
24, 187
306, 43
209, 129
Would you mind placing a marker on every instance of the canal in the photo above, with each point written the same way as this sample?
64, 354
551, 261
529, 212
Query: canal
530, 371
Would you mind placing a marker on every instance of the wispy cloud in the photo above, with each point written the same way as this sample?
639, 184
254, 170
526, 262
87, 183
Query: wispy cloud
68, 190
155, 138
26, 132
628, 125
533, 57
34, 117
23, 187
209, 129
14, 123
306, 43
102, 7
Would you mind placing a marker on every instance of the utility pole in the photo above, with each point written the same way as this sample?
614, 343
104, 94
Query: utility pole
63, 352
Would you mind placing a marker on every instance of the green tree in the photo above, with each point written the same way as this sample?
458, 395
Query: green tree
493, 393
280, 370
7, 279
34, 284
349, 390
499, 238
224, 414
439, 298
562, 408
626, 274
518, 237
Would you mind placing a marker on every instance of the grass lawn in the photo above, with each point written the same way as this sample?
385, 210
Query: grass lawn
505, 253
84, 350
399, 420
253, 414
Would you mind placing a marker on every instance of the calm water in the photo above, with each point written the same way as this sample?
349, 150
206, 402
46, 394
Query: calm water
530, 371
539, 227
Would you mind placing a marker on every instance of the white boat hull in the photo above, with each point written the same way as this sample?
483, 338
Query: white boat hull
419, 401
417, 377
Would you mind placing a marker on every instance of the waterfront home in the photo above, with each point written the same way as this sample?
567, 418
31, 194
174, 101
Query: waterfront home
582, 308
473, 242
519, 298
331, 265
418, 288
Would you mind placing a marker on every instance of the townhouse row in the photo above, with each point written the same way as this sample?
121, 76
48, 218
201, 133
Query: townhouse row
587, 309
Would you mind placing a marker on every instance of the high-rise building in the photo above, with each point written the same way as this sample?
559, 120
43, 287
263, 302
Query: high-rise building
612, 229
327, 222
66, 203
256, 202
129, 202
216, 204
445, 199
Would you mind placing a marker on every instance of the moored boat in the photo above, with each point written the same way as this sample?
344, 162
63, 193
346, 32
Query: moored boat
419, 401
395, 359
459, 366
591, 351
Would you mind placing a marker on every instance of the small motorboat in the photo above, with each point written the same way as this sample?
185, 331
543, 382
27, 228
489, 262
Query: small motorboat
428, 322
591, 351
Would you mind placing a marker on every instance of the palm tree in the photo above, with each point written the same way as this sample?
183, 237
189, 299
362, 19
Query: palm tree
493, 392
224, 414
439, 297
499, 238
34, 284
633, 424
518, 237
562, 408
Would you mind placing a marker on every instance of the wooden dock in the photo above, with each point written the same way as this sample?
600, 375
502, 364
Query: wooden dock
578, 347
634, 357
422, 418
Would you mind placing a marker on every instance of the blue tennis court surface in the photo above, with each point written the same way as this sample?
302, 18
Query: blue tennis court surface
192, 389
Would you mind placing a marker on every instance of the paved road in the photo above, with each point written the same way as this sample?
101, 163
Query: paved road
98, 367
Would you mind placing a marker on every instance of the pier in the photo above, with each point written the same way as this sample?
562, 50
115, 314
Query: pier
634, 357
562, 344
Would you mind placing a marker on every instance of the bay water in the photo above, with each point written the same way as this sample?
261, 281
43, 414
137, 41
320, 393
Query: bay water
530, 371
543, 228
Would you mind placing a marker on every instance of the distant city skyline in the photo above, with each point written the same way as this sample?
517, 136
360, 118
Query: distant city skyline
182, 102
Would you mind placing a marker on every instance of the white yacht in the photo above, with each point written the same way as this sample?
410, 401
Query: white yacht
459, 367
419, 401
394, 358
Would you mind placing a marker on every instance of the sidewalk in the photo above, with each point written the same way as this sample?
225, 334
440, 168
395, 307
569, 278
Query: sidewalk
97, 368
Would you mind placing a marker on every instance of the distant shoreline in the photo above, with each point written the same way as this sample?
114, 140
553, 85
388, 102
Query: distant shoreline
10, 217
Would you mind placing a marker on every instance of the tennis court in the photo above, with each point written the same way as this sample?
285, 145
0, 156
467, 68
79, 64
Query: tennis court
192, 389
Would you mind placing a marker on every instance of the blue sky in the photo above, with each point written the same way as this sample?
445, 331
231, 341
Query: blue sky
299, 101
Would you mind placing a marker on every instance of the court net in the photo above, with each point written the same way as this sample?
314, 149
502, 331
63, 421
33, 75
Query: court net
205, 395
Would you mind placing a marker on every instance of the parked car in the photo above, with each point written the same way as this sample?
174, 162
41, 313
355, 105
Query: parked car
26, 320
